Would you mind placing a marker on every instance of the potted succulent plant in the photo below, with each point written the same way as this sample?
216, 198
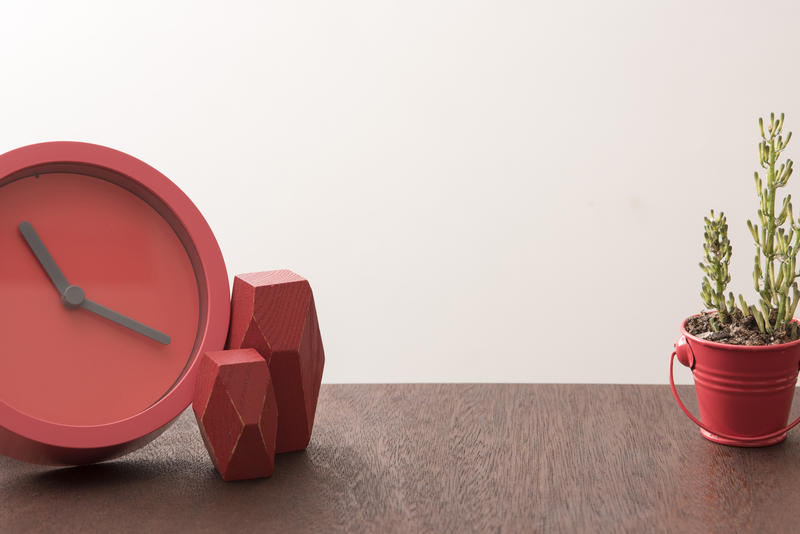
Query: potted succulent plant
745, 357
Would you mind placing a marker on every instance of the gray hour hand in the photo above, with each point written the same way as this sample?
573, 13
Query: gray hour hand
45, 259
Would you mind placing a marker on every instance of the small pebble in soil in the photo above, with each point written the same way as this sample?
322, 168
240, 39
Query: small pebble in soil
714, 336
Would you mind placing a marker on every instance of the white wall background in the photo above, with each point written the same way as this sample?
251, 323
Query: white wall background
477, 190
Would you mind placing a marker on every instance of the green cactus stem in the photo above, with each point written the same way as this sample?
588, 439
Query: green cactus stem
759, 319
777, 240
744, 307
717, 250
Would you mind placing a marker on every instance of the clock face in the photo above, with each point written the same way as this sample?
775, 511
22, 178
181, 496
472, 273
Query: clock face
61, 360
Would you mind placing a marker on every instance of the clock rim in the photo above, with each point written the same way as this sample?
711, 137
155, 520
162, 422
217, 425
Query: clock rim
215, 287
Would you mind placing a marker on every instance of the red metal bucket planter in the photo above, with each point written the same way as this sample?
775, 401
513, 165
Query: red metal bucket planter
744, 393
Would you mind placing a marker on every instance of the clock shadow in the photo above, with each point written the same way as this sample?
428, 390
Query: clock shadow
98, 475
124, 471
184, 492
173, 482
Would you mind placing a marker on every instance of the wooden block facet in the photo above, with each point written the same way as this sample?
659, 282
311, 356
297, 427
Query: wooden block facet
235, 407
274, 313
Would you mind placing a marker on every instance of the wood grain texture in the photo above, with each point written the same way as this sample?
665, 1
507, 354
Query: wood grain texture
443, 458
234, 404
274, 313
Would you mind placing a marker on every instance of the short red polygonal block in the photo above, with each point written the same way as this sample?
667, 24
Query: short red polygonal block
274, 313
235, 406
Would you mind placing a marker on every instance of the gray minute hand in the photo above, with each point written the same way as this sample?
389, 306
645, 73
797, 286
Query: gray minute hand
127, 322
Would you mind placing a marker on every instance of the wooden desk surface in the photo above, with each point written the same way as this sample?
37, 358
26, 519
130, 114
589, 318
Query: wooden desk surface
445, 458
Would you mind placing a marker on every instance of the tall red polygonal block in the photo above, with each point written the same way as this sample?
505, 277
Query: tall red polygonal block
274, 313
235, 406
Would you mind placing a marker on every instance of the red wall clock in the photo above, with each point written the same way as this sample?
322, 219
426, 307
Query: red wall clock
111, 284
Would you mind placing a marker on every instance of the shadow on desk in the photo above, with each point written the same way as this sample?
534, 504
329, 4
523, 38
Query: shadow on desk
128, 473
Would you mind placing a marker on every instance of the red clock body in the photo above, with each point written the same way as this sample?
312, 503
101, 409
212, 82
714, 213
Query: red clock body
111, 285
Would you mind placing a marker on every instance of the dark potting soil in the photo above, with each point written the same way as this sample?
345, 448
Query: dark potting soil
740, 331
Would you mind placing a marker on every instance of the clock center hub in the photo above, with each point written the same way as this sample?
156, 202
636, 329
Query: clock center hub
73, 297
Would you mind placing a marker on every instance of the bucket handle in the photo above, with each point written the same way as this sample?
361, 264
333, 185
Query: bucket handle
704, 427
